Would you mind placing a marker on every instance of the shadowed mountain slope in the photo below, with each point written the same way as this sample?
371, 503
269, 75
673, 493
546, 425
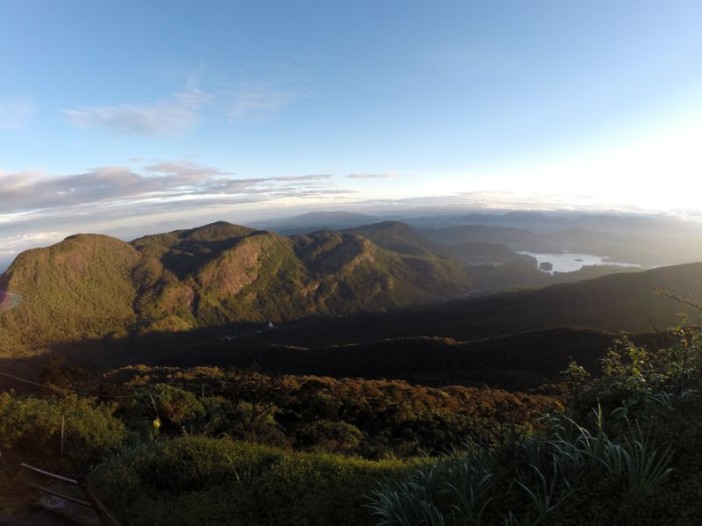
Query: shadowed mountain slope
89, 286
614, 303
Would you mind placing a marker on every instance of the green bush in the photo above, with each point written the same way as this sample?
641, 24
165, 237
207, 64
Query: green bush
195, 480
69, 433
176, 408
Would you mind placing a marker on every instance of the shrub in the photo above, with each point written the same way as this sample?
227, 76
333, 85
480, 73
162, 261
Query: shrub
69, 433
546, 480
194, 480
175, 407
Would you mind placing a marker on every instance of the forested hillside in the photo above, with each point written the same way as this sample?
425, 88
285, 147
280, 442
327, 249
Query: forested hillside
88, 286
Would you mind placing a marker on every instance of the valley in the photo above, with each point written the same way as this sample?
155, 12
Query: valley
356, 352
329, 302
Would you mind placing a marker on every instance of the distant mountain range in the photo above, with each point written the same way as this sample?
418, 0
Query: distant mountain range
537, 222
640, 239
375, 300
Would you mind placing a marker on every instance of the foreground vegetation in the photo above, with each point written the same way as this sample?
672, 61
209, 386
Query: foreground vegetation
634, 459
214, 446
196, 480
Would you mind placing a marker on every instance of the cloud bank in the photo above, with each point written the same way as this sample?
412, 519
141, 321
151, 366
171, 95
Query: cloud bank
33, 192
37, 209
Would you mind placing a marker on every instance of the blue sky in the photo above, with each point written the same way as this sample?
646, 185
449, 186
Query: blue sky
129, 116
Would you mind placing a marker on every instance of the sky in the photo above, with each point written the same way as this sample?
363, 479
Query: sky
129, 117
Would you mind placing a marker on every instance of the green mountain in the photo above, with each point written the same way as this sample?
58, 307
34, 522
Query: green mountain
382, 281
90, 286
83, 285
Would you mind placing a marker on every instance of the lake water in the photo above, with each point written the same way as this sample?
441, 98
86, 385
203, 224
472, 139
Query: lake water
569, 262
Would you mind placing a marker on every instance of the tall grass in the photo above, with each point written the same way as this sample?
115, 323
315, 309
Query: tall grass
477, 487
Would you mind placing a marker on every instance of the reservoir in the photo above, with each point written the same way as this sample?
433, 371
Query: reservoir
571, 262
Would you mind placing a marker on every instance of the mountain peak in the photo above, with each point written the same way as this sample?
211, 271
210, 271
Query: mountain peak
217, 231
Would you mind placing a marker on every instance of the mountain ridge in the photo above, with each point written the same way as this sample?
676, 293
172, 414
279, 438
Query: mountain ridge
210, 275
94, 286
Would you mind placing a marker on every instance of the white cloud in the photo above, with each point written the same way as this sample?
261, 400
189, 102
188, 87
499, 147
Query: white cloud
389, 175
184, 169
248, 100
256, 102
16, 243
172, 116
118, 192
12, 245
312, 177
